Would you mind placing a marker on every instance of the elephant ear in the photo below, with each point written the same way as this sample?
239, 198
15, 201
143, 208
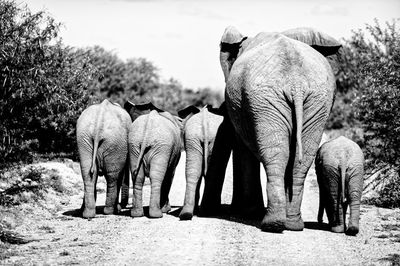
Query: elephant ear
318, 40
188, 111
230, 45
136, 110
217, 111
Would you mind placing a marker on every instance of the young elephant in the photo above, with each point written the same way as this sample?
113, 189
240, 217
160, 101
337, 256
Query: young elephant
102, 136
200, 129
340, 168
154, 150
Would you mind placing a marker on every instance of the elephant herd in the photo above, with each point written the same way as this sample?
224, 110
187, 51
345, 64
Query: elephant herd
278, 96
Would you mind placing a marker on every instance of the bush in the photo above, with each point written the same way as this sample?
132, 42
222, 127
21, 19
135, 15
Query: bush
26, 185
42, 85
45, 85
378, 101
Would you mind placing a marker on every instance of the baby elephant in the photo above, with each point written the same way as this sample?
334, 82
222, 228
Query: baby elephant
200, 129
102, 137
154, 149
340, 169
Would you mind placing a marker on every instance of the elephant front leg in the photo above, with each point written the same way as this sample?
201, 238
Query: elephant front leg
247, 199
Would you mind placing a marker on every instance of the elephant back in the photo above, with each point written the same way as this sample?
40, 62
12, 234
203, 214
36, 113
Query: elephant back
155, 130
194, 125
107, 119
340, 148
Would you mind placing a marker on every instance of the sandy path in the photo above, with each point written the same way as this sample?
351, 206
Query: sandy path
121, 240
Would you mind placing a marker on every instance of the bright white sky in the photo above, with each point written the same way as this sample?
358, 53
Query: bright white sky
181, 37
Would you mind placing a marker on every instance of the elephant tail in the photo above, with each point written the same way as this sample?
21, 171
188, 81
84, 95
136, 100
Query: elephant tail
298, 106
205, 140
342, 169
96, 140
143, 148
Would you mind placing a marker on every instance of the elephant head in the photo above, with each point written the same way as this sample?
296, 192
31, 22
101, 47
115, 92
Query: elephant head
136, 110
233, 43
230, 46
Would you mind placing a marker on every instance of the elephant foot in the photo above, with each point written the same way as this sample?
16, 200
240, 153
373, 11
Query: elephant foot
155, 213
108, 210
166, 208
352, 230
337, 229
295, 224
137, 212
186, 214
273, 223
111, 210
89, 213
123, 204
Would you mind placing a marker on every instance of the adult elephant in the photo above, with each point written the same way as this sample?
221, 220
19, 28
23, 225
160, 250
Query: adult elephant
279, 93
102, 137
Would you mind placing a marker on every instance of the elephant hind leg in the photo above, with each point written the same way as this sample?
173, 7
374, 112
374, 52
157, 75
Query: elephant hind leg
88, 207
112, 206
158, 169
275, 218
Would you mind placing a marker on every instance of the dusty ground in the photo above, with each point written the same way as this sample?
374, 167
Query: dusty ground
65, 238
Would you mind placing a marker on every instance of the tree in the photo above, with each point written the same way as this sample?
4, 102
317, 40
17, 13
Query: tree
378, 101
43, 86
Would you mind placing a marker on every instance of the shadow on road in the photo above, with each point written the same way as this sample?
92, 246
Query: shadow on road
225, 213
317, 226
78, 212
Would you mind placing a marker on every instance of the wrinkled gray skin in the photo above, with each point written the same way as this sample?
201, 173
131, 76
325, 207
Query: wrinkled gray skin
102, 136
279, 93
154, 150
200, 129
340, 172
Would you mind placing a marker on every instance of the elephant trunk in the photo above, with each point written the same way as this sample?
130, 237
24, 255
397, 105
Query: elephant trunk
205, 141
298, 105
225, 64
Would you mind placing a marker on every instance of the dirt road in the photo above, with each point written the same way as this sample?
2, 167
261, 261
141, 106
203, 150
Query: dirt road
122, 240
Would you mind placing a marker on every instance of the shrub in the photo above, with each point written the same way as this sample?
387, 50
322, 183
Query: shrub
378, 101
26, 185
42, 85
